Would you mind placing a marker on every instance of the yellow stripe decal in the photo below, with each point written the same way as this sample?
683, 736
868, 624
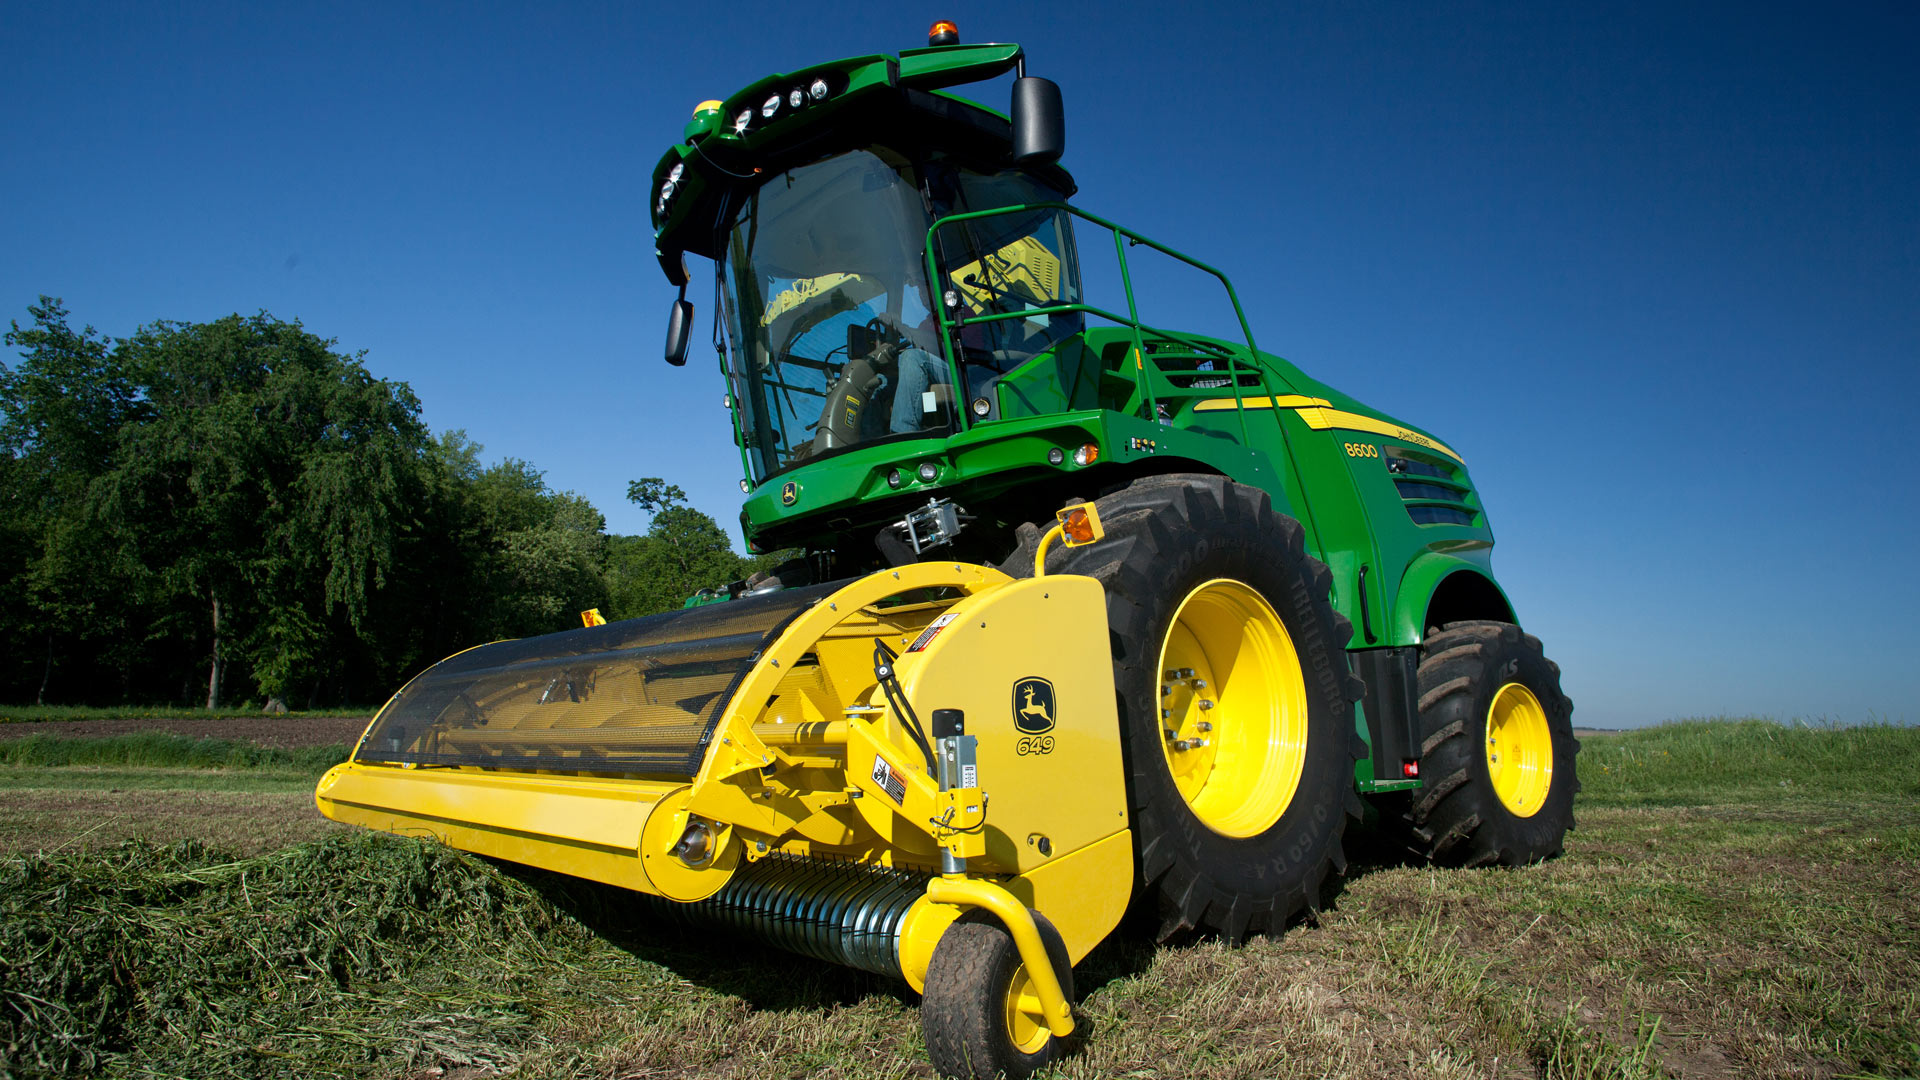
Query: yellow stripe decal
1320, 415
1285, 401
1322, 419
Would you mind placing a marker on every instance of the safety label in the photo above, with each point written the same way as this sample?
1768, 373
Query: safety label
889, 780
934, 627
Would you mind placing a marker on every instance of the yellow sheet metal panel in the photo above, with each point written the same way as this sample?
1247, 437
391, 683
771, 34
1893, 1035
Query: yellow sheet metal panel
1084, 892
608, 813
588, 828
620, 868
1029, 664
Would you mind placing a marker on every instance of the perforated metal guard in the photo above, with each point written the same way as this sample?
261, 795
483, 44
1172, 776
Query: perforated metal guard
637, 696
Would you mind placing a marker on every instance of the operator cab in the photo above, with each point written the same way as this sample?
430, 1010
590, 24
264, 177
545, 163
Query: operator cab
832, 338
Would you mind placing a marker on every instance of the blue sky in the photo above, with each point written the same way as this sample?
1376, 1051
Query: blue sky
1653, 270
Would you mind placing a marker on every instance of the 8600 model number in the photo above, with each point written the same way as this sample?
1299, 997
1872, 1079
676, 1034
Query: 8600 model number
1360, 449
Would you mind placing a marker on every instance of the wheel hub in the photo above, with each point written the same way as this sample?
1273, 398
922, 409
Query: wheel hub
1519, 750
1233, 708
1026, 1017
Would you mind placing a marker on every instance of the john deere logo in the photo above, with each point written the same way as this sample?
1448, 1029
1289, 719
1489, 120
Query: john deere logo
1033, 705
789, 494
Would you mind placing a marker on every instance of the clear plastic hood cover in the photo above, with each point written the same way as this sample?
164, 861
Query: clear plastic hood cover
637, 696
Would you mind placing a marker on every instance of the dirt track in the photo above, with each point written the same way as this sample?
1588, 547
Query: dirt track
274, 731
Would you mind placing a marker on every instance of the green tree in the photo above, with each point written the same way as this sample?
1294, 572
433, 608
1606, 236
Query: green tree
682, 552
547, 550
61, 409
269, 483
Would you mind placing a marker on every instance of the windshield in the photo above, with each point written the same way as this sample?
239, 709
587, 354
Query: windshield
833, 343
1008, 263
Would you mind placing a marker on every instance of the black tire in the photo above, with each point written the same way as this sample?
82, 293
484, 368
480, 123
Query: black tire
963, 1011
1165, 536
1458, 818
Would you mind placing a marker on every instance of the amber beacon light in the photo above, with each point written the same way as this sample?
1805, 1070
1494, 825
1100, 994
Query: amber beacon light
943, 32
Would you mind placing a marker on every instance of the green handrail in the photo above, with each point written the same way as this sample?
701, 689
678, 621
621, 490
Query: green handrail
1132, 320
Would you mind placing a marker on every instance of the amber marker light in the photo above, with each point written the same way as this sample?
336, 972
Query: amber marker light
1079, 524
1087, 454
943, 32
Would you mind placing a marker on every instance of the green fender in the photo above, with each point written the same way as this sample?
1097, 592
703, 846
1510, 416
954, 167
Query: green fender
1423, 578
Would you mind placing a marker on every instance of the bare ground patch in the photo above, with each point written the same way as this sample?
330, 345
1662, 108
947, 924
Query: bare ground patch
247, 822
274, 731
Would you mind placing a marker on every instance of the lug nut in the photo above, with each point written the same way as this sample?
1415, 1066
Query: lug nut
1206, 703
1203, 726
1199, 684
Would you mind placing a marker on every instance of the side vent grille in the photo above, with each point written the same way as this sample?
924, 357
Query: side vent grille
1434, 490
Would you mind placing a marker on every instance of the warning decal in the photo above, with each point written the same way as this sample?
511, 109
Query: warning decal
889, 780
934, 627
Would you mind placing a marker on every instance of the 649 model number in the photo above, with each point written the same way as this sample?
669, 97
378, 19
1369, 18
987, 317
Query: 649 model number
1034, 744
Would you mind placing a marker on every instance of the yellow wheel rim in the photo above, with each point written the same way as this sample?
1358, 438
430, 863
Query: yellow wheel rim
1233, 708
1026, 1019
1519, 750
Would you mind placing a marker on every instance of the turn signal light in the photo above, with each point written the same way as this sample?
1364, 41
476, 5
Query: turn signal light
1087, 454
1079, 524
1410, 770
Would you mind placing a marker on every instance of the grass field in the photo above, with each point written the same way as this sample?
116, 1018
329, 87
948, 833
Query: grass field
1740, 900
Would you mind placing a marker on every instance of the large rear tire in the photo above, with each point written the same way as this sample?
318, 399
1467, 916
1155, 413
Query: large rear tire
1235, 701
1497, 750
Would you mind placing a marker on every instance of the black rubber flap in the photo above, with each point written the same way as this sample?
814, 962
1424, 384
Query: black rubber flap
637, 696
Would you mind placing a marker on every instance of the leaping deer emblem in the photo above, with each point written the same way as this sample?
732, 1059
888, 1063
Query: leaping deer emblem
1032, 709
1033, 706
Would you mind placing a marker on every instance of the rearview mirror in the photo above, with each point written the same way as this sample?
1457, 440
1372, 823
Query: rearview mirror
679, 329
1039, 121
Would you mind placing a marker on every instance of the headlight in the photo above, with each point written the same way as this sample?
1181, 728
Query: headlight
818, 90
770, 106
740, 122
796, 98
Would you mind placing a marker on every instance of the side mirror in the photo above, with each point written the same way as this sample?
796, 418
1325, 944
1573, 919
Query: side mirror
1039, 121
679, 329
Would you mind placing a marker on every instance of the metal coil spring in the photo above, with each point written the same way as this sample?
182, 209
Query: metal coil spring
843, 913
